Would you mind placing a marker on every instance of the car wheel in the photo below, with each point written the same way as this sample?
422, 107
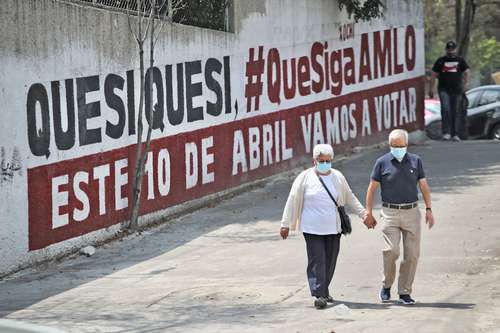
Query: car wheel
495, 132
433, 130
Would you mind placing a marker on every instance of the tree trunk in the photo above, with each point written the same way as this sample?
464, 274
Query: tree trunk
151, 109
170, 10
458, 19
141, 154
468, 20
137, 180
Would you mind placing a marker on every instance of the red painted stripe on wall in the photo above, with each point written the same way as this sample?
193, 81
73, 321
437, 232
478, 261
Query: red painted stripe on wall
70, 198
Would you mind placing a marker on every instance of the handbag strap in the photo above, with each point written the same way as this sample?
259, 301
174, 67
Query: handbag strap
327, 190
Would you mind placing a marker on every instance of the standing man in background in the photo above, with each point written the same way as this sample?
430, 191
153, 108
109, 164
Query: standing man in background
398, 173
453, 75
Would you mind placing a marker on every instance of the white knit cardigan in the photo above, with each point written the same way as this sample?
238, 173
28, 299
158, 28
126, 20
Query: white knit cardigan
293, 209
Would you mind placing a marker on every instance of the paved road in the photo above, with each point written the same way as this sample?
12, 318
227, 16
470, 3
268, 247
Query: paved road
224, 268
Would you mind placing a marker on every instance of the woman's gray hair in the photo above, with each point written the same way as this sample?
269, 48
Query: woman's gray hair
322, 149
397, 134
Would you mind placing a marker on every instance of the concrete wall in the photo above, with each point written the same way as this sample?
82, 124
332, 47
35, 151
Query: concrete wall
230, 108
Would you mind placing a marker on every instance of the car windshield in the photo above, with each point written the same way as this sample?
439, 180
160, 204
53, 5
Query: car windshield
471, 97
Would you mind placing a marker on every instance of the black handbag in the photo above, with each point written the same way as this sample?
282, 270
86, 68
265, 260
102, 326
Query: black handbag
345, 220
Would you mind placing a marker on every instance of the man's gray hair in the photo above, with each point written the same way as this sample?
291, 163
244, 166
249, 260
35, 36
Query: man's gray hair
397, 134
322, 149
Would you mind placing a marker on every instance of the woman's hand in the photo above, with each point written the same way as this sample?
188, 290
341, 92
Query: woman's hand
284, 232
370, 221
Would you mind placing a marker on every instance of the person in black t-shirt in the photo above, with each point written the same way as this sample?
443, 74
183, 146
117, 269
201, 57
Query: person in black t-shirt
453, 74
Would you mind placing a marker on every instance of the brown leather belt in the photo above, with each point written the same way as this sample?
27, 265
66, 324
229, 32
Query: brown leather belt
400, 206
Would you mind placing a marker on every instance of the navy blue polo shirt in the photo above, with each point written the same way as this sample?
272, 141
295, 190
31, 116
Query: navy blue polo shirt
398, 180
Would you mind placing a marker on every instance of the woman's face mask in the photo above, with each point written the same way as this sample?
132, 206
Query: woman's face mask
323, 165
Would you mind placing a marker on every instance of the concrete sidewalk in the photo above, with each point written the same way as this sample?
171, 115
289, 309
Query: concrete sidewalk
225, 269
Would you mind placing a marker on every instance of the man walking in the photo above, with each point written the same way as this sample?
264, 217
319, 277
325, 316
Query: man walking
398, 174
453, 74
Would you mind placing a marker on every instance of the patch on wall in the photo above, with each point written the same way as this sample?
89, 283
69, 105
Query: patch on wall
10, 167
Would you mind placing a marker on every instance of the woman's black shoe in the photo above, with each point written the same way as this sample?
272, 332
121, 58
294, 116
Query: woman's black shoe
320, 303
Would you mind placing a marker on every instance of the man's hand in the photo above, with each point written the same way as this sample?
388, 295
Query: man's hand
426, 193
370, 221
433, 94
429, 218
433, 88
284, 232
466, 79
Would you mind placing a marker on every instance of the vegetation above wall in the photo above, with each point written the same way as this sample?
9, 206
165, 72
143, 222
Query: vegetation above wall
364, 10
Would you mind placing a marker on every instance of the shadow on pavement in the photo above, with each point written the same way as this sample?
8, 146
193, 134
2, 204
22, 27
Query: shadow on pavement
34, 285
385, 306
445, 305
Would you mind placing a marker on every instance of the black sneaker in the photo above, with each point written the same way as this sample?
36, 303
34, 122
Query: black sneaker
406, 300
320, 303
329, 299
385, 295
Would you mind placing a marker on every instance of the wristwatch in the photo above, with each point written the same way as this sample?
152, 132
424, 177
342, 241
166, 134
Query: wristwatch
429, 209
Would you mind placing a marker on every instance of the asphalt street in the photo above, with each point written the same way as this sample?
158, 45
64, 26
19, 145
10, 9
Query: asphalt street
225, 269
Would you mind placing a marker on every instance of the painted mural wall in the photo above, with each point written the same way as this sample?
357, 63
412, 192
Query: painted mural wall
228, 108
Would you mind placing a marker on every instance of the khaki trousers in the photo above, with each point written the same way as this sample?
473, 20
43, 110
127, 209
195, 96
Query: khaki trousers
397, 223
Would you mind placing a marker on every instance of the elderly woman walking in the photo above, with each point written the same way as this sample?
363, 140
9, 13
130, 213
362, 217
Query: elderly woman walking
311, 210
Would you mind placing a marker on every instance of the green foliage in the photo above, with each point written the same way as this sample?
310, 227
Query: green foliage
363, 10
484, 50
432, 52
485, 57
439, 27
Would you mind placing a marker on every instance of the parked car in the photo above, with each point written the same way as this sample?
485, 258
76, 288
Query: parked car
483, 114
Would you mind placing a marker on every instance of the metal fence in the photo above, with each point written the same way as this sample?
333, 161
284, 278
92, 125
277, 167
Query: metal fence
120, 4
207, 14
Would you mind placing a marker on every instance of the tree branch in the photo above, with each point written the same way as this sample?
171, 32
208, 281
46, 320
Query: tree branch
150, 17
129, 18
173, 7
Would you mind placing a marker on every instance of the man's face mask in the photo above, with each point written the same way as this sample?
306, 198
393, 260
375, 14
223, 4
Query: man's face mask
451, 52
398, 152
